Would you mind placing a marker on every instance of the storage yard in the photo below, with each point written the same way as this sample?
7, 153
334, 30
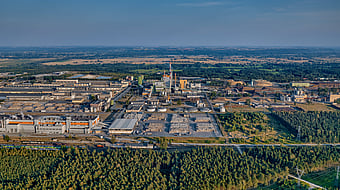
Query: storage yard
176, 124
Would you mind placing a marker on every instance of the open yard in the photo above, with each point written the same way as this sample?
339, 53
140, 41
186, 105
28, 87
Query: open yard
316, 107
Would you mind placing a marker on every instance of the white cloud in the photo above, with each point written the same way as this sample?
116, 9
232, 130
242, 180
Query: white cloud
202, 4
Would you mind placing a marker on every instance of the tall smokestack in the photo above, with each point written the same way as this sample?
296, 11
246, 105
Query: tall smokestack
170, 77
175, 81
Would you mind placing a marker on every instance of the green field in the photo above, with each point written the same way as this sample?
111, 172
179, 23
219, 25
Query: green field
254, 127
146, 71
325, 178
14, 62
284, 184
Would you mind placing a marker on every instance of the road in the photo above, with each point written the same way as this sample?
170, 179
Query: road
121, 94
217, 121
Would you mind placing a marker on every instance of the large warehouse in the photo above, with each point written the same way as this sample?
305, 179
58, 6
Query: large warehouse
48, 124
122, 126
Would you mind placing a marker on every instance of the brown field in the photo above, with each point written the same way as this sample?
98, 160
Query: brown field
174, 60
121, 60
171, 58
245, 109
316, 107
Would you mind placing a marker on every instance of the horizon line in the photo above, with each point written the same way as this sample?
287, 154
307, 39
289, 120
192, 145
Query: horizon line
172, 46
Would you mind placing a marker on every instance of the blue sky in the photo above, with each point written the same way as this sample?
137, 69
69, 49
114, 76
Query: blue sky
170, 23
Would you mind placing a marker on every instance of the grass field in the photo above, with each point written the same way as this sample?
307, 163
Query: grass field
13, 62
284, 185
146, 71
324, 178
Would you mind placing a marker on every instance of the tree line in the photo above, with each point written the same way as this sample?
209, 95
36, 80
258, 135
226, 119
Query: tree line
316, 126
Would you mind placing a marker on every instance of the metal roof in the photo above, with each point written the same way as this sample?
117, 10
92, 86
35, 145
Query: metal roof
123, 124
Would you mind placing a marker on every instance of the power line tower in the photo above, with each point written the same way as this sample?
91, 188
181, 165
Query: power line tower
298, 137
299, 173
336, 184
229, 107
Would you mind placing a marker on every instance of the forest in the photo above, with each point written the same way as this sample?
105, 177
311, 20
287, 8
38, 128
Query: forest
316, 126
238, 121
198, 168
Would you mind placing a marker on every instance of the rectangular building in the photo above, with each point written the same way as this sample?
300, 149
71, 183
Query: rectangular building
122, 126
49, 124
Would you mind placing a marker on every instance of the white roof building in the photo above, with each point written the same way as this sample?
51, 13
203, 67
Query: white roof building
122, 126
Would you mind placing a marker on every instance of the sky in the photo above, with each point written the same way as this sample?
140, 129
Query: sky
170, 23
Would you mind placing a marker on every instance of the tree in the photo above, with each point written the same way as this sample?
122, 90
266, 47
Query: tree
113, 139
213, 94
163, 143
93, 97
337, 101
6, 138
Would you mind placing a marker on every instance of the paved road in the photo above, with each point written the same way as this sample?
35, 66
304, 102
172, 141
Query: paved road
121, 94
214, 115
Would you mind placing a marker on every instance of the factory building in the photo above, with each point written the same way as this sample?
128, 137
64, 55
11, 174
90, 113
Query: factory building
333, 97
122, 126
179, 128
205, 127
183, 84
48, 124
261, 83
155, 127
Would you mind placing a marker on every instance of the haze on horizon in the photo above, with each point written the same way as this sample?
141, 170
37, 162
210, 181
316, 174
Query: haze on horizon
170, 23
